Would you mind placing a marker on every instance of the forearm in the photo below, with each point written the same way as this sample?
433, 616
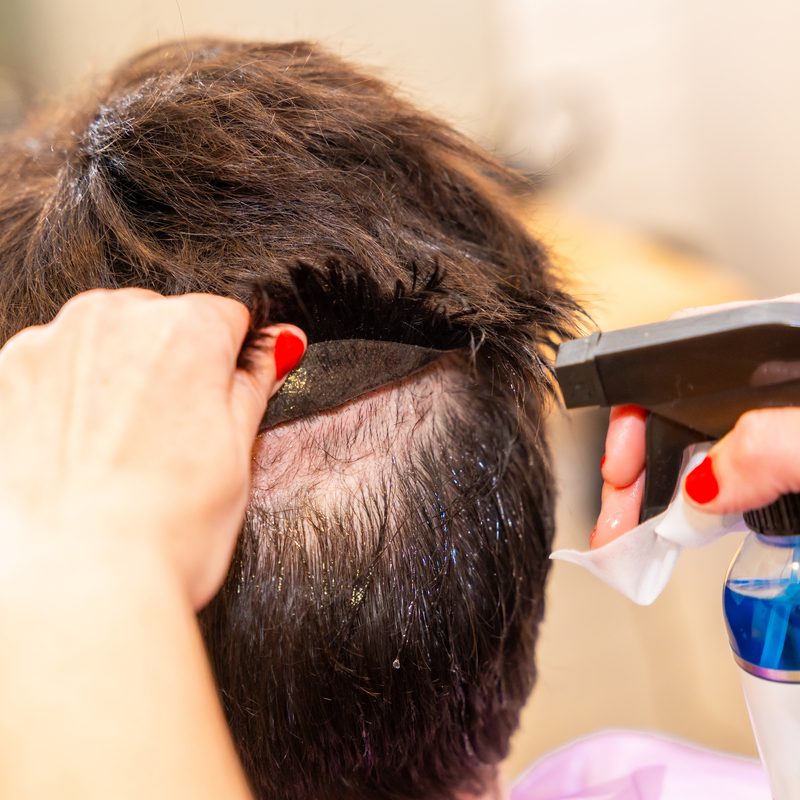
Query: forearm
105, 688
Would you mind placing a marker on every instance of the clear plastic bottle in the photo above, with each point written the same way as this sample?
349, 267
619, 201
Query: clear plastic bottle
762, 610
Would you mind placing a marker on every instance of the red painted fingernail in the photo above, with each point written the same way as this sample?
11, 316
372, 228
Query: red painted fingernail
701, 483
635, 410
288, 351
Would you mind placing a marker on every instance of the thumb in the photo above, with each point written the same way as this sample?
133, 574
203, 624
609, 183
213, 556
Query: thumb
277, 351
751, 466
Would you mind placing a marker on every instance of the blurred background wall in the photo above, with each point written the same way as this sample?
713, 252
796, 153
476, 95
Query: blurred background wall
681, 116
673, 116
662, 135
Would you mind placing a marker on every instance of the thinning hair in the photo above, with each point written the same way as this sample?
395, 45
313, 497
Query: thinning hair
375, 637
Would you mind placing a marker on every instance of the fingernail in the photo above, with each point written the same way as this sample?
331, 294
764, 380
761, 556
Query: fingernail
634, 410
288, 351
701, 483
592, 536
602, 461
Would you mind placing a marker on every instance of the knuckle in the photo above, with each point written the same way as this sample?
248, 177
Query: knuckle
22, 355
188, 325
83, 306
81, 301
224, 309
235, 308
24, 340
105, 298
186, 315
215, 316
749, 433
136, 293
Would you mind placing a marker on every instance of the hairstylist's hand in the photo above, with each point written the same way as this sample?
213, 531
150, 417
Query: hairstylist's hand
749, 467
125, 422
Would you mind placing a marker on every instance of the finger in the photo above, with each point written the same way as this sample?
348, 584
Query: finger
20, 361
619, 512
234, 316
279, 351
625, 445
751, 466
26, 338
78, 306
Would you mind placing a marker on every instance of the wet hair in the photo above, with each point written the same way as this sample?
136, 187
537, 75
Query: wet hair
375, 637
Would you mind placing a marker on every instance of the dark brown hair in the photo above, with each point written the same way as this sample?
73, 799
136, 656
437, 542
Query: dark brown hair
375, 638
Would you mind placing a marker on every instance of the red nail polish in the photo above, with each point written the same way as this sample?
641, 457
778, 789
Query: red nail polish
701, 483
288, 351
634, 410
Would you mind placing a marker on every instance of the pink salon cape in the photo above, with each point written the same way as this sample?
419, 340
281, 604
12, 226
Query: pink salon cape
623, 765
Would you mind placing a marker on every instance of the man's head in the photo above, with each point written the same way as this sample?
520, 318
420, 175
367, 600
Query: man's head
375, 638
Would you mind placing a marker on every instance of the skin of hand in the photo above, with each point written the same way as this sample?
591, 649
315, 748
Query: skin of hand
126, 419
126, 430
750, 466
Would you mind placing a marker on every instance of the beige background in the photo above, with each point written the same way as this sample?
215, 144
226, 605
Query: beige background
442, 62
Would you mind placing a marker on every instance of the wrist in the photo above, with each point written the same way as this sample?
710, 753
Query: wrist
68, 565
99, 636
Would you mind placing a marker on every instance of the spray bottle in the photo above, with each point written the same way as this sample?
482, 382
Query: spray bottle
696, 376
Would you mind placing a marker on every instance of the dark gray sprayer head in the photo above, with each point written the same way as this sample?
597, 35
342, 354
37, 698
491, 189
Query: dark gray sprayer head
695, 375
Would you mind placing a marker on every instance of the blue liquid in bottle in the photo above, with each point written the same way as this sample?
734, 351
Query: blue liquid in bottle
763, 618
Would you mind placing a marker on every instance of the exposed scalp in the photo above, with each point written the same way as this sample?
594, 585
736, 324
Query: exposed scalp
341, 449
